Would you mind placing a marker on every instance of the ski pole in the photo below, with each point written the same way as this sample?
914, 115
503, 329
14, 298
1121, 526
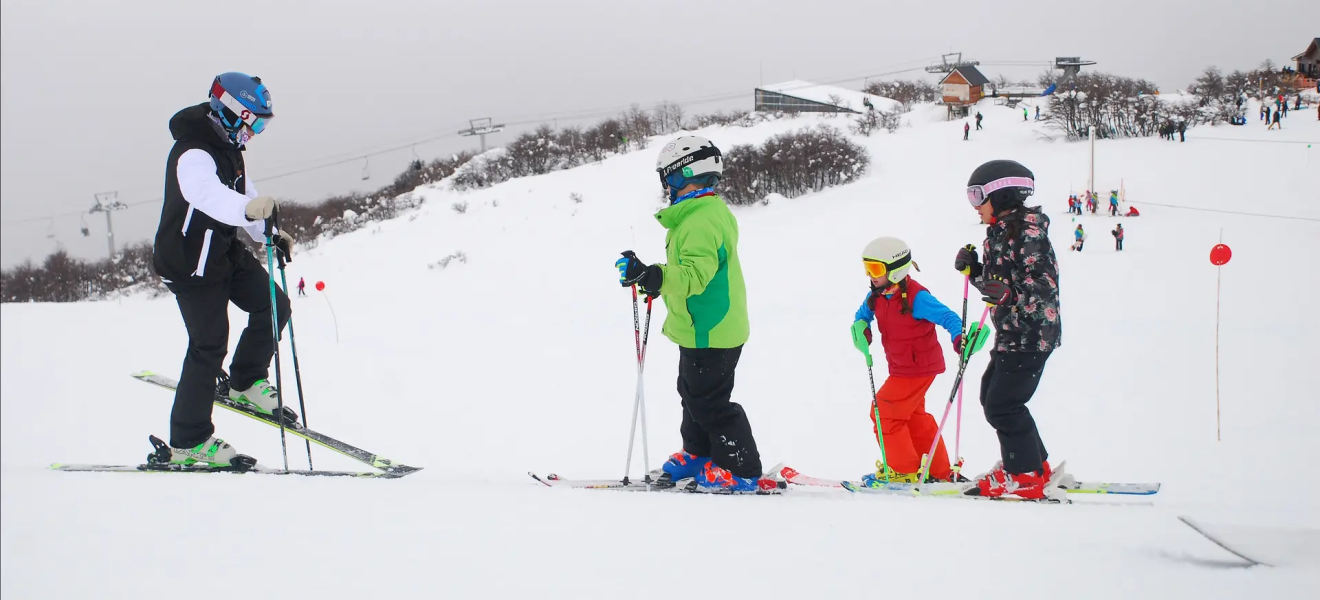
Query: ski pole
297, 373
969, 346
638, 408
641, 390
275, 328
879, 430
859, 329
957, 436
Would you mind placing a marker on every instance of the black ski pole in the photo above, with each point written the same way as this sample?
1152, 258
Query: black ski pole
275, 328
293, 349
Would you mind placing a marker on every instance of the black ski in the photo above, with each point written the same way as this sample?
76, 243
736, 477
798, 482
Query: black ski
291, 425
159, 462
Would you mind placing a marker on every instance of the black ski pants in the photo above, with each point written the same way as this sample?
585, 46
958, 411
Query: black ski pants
1008, 383
205, 312
713, 425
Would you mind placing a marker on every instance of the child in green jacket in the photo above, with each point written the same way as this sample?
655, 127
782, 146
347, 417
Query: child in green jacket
702, 286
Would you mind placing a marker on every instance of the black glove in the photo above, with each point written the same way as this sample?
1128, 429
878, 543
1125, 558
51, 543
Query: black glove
284, 245
967, 262
634, 272
996, 291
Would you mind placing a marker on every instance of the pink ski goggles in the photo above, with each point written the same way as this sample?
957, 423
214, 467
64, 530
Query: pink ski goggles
977, 194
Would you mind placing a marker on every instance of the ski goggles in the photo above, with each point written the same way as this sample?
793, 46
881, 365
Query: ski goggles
877, 269
257, 123
978, 194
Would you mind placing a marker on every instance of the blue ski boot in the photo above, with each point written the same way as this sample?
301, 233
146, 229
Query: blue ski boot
717, 480
682, 465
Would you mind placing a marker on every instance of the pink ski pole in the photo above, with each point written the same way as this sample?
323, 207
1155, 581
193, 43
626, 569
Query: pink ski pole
963, 359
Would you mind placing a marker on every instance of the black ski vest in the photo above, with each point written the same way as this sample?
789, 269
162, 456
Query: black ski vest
191, 248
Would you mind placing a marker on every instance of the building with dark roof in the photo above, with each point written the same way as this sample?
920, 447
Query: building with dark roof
1308, 63
961, 88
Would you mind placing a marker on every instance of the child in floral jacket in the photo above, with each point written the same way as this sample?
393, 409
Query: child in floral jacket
1020, 277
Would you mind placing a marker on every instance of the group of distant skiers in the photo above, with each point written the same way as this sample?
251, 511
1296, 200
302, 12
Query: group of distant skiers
1091, 203
1170, 128
1272, 118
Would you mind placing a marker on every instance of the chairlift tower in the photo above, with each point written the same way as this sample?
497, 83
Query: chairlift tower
1071, 66
481, 127
108, 202
947, 66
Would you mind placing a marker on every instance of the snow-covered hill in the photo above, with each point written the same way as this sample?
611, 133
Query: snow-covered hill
521, 358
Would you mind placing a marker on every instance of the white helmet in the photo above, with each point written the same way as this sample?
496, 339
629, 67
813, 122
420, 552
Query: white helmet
686, 158
893, 253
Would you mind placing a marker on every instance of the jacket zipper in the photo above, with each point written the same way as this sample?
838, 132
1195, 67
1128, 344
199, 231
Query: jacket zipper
201, 258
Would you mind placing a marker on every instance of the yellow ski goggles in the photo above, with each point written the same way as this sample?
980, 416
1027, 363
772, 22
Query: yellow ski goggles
876, 268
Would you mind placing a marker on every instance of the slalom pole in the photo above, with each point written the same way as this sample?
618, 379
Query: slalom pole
969, 346
275, 328
297, 373
637, 395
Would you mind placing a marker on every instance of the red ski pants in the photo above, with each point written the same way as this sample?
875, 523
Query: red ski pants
909, 429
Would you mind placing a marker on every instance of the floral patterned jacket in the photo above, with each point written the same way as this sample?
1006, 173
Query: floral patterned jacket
1031, 323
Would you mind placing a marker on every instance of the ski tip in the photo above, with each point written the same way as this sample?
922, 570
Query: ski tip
788, 472
141, 374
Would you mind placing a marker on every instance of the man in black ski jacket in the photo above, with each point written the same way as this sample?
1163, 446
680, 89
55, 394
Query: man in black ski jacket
201, 259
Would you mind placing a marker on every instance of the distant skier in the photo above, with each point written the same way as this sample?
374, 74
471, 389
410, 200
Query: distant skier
1025, 113
302, 287
1182, 131
967, 128
1118, 237
1037, 112
702, 286
1276, 122
1113, 203
1020, 277
1133, 212
208, 198
1079, 238
1267, 114
1090, 202
978, 117
905, 314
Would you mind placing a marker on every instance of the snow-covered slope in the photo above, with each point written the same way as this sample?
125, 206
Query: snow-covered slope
521, 359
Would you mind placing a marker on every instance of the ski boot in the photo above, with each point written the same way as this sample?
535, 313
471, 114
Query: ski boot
884, 474
262, 397
1032, 485
714, 479
682, 465
214, 453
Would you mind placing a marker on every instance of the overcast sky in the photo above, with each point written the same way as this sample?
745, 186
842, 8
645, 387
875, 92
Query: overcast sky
88, 87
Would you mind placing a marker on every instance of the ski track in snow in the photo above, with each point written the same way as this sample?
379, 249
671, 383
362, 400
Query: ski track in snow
522, 358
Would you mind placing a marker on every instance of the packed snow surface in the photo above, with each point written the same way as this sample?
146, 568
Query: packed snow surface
521, 358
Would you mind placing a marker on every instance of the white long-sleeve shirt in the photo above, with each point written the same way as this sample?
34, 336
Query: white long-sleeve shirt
204, 192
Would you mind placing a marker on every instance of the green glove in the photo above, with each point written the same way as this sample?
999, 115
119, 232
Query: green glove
861, 335
976, 337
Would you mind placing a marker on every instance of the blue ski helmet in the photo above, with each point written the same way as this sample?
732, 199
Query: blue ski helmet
239, 99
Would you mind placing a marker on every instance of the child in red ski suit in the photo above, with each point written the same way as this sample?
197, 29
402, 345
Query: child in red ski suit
906, 314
